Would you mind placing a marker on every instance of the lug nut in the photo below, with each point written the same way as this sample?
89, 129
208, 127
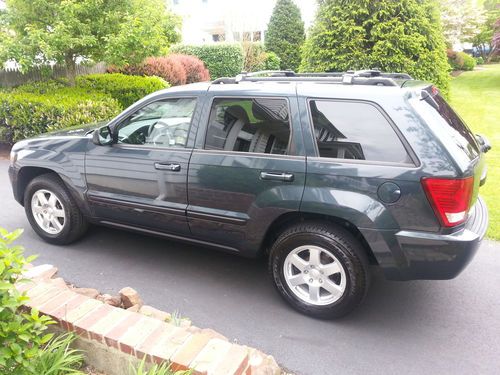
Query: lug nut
306, 271
310, 280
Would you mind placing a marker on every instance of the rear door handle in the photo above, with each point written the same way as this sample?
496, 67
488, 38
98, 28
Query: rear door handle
168, 167
278, 176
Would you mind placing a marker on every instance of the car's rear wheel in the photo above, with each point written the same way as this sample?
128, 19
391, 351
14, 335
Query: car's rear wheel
320, 269
52, 211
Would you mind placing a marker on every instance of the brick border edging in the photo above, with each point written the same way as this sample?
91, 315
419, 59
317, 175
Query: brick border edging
202, 350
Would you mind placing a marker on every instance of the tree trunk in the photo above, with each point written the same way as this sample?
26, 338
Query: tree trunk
70, 69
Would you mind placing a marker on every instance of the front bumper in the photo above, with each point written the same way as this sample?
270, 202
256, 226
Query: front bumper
13, 175
412, 255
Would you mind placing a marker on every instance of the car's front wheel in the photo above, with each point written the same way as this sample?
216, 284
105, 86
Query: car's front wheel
320, 269
52, 211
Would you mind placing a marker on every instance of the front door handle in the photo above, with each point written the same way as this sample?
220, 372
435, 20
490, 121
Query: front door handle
278, 176
168, 167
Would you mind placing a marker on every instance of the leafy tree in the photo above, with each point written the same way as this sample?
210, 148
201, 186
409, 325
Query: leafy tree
285, 34
485, 40
148, 30
462, 20
401, 36
36, 32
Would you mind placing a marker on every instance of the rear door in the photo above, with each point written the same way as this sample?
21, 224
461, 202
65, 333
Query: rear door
141, 181
248, 168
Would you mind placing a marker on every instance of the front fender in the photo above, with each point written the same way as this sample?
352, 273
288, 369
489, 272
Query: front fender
63, 156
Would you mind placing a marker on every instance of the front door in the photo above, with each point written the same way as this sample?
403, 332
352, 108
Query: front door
141, 180
247, 172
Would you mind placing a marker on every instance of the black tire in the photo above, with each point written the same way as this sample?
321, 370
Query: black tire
75, 224
338, 242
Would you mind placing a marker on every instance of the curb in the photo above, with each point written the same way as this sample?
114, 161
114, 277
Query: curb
103, 330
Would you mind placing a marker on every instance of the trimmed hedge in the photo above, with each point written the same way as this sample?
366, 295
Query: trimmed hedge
25, 114
221, 60
125, 89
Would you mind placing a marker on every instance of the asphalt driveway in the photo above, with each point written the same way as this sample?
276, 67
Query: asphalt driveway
421, 327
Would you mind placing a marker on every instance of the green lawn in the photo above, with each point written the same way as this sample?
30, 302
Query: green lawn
476, 97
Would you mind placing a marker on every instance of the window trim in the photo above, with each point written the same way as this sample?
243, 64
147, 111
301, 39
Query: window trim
116, 125
415, 163
290, 138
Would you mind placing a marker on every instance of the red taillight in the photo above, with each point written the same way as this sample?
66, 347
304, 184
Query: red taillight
450, 198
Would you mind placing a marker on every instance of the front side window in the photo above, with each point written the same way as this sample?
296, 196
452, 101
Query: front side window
355, 130
164, 123
259, 125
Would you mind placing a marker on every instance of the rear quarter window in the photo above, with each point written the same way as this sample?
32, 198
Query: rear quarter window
448, 127
355, 131
455, 127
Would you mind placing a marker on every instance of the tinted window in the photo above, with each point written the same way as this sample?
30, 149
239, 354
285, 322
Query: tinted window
455, 127
352, 130
164, 123
249, 125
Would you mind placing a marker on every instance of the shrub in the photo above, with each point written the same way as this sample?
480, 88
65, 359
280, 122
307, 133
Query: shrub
193, 66
58, 358
221, 60
43, 87
254, 56
21, 334
162, 369
389, 35
124, 88
285, 34
25, 114
167, 68
460, 60
272, 61
479, 60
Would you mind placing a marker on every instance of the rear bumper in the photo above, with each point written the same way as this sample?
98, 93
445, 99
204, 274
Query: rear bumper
412, 255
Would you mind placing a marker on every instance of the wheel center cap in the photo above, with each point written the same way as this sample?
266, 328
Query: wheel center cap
315, 274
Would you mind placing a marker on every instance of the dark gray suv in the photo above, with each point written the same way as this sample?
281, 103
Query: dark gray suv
324, 174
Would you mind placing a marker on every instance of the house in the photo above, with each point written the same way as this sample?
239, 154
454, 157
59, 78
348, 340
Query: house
212, 21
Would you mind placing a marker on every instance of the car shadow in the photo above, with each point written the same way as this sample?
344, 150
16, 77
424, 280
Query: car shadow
164, 261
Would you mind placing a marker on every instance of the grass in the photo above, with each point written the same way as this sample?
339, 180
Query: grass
476, 97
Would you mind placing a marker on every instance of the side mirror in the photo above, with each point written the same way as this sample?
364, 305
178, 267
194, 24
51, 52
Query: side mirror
102, 136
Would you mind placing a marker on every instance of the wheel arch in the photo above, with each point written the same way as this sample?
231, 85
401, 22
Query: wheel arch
27, 173
288, 219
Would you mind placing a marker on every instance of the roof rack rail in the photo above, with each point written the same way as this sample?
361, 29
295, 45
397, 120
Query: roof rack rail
372, 77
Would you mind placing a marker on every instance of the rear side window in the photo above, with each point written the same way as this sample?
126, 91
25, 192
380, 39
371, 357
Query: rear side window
355, 130
455, 127
258, 125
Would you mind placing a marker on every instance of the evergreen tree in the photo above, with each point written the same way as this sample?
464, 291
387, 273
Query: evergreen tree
285, 34
399, 36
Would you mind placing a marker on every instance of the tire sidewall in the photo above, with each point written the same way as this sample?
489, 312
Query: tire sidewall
343, 254
62, 195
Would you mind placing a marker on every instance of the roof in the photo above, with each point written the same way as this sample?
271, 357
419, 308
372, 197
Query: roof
365, 83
